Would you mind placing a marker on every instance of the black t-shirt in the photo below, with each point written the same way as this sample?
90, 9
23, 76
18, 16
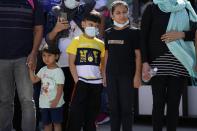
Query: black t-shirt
17, 22
121, 45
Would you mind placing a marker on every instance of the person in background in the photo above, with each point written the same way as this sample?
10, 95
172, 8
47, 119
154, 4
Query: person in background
167, 44
20, 40
122, 66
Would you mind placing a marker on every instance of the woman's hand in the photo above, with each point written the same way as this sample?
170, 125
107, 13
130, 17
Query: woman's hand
145, 71
172, 36
61, 25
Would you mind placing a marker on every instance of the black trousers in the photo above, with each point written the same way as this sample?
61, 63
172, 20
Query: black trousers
120, 89
85, 106
68, 88
166, 90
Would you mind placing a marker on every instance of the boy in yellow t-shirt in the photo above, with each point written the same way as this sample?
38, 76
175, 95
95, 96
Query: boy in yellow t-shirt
85, 55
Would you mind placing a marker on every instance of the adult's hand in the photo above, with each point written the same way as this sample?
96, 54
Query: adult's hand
172, 36
145, 71
61, 25
32, 61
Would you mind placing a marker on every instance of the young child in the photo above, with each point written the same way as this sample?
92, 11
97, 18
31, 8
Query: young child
51, 95
123, 66
85, 55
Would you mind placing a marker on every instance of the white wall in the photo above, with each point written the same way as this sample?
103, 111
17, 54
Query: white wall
192, 101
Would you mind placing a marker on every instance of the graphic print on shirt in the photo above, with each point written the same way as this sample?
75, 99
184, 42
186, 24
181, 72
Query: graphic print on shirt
116, 42
88, 56
48, 84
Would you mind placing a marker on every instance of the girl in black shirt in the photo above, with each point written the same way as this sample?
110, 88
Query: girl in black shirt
123, 67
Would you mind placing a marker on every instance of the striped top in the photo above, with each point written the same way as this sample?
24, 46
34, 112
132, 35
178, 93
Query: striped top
17, 22
168, 64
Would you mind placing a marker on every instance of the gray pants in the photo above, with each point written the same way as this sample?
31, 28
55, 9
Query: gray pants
14, 73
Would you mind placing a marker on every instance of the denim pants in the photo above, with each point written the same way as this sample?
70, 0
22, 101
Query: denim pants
14, 74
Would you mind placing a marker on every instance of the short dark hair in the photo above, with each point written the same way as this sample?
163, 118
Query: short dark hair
117, 3
51, 48
93, 16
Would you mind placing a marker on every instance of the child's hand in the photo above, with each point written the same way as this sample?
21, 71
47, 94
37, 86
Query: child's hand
54, 103
137, 82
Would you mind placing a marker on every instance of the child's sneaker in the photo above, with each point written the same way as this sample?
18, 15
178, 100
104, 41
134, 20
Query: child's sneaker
102, 118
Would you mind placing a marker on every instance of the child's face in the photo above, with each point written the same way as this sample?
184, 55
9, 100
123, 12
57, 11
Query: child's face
120, 14
90, 28
49, 59
88, 23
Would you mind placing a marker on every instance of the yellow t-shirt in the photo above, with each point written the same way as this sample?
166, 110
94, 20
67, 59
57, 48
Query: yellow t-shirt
88, 57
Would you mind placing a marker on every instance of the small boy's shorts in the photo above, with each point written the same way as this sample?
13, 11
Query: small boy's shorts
52, 115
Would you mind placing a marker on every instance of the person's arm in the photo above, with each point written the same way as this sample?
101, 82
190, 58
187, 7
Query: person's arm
104, 68
60, 26
144, 40
105, 58
38, 22
172, 36
38, 34
175, 35
89, 5
33, 77
72, 67
189, 35
138, 68
145, 31
55, 101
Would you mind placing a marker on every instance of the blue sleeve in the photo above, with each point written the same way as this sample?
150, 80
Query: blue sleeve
89, 5
84, 9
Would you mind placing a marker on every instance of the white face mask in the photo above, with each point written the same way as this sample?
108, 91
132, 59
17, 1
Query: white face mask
121, 25
71, 4
91, 31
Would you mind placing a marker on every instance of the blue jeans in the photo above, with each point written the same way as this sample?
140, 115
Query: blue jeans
14, 74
